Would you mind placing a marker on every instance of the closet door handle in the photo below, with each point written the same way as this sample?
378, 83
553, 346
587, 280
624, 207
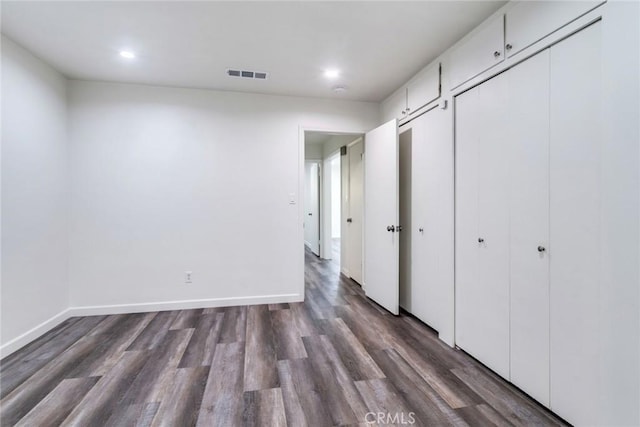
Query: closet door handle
399, 228
541, 249
509, 46
421, 230
496, 54
391, 228
480, 240
349, 220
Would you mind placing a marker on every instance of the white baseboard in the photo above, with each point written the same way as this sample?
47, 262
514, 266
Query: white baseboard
97, 310
182, 305
32, 334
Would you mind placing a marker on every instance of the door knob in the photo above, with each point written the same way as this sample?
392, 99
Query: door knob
480, 240
349, 220
391, 228
541, 249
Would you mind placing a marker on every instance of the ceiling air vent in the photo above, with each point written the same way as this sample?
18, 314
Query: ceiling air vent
247, 74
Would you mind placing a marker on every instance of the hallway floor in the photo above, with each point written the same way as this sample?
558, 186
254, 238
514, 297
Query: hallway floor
336, 359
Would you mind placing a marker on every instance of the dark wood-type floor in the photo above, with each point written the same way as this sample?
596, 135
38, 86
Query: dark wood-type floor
328, 361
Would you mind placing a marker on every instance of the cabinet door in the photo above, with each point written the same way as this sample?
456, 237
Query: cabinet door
528, 125
395, 107
430, 240
423, 89
576, 149
482, 299
477, 54
529, 21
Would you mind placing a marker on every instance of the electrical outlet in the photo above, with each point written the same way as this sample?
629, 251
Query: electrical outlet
187, 277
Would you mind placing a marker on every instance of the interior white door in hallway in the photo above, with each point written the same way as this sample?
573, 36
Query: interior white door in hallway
355, 206
312, 206
381, 215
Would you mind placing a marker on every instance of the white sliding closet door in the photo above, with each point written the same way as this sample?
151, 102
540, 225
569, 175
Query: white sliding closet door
482, 198
528, 125
430, 241
575, 163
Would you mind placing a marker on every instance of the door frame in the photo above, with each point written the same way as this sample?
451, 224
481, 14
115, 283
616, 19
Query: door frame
301, 193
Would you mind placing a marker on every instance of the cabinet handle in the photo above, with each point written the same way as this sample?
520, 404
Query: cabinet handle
480, 240
391, 228
496, 54
509, 46
408, 109
421, 230
541, 249
404, 112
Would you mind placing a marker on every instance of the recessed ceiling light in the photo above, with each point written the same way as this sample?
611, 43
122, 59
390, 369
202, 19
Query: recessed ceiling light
127, 54
332, 73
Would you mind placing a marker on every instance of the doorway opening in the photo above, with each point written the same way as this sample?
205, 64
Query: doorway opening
333, 200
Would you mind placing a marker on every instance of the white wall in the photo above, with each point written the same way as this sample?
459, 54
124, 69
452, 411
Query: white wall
166, 180
34, 195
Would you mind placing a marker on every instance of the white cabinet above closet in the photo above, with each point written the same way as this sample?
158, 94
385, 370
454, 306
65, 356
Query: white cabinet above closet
422, 89
529, 21
477, 54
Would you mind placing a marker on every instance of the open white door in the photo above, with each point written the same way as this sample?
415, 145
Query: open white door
381, 215
312, 207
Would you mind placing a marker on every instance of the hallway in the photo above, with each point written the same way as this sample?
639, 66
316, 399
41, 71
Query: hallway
336, 359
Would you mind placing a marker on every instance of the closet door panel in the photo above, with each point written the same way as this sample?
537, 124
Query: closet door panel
575, 153
528, 124
431, 242
467, 288
493, 216
482, 276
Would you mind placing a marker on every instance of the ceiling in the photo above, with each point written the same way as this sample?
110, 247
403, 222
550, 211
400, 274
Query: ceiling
376, 45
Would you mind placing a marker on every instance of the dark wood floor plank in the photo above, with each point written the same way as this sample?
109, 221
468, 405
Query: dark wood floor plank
155, 331
29, 393
381, 397
281, 306
181, 401
515, 407
100, 402
308, 391
293, 409
223, 395
151, 382
430, 408
352, 353
260, 360
234, 325
199, 351
57, 405
22, 364
288, 338
112, 339
263, 408
331, 377
186, 319
138, 415
302, 316
482, 415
